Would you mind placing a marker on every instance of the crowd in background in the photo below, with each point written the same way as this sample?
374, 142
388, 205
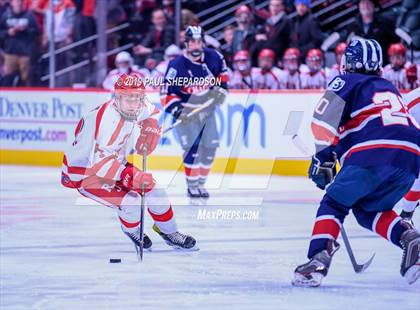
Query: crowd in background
265, 49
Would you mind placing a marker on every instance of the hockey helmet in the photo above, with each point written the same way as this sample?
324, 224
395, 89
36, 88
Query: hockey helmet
291, 59
266, 59
130, 98
362, 56
241, 61
194, 33
314, 59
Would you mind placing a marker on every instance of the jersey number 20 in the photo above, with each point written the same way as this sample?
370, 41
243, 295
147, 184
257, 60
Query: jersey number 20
394, 112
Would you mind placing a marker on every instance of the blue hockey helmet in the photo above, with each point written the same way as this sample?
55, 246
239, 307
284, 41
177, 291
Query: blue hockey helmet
194, 32
362, 56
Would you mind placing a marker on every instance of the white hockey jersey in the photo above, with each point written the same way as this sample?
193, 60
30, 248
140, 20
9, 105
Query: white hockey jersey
398, 77
289, 81
316, 80
103, 139
266, 79
238, 81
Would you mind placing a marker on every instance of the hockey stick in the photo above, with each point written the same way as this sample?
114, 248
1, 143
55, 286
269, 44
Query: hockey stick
189, 115
143, 198
358, 268
330, 40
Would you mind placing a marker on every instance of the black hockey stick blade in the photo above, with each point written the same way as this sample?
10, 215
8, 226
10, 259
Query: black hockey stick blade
358, 268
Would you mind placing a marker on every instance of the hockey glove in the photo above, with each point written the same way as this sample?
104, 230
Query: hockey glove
219, 94
149, 136
133, 179
322, 174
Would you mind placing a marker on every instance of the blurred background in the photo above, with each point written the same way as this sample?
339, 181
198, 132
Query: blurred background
78, 43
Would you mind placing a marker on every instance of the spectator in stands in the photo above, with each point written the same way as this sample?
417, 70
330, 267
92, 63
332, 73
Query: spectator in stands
64, 11
371, 26
18, 31
123, 64
306, 33
277, 31
314, 77
159, 37
245, 31
4, 6
227, 47
188, 18
169, 11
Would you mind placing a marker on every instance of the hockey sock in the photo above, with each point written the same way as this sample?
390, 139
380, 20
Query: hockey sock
192, 166
386, 224
206, 157
160, 210
327, 225
129, 217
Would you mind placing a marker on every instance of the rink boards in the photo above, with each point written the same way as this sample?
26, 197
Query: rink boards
256, 129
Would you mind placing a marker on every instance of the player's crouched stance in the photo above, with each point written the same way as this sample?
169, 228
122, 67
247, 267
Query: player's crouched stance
96, 165
362, 122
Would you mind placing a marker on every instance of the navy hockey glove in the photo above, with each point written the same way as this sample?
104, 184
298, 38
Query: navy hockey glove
322, 174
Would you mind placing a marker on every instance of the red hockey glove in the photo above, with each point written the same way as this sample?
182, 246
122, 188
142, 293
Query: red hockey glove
149, 135
412, 74
133, 179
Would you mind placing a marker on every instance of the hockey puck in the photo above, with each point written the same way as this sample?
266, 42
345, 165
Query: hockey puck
115, 260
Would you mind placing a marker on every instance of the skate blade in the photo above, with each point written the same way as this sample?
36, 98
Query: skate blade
412, 274
181, 249
301, 281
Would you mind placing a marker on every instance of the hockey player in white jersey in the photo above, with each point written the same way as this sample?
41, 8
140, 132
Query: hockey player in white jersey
410, 201
315, 77
95, 164
402, 74
123, 64
290, 75
266, 76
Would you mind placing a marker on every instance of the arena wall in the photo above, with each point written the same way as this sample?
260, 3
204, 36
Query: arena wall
256, 129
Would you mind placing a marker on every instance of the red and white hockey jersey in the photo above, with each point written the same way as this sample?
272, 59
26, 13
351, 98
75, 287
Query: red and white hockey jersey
238, 81
266, 79
316, 80
398, 77
103, 139
289, 81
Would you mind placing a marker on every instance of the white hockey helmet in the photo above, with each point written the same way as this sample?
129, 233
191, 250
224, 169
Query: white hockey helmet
123, 57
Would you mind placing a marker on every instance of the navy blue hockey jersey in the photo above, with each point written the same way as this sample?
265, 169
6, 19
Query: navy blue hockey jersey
184, 77
362, 119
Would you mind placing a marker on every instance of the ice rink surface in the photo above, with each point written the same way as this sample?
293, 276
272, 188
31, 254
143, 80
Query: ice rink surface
55, 251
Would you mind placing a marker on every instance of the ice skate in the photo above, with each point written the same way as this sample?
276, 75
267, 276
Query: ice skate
193, 192
311, 273
410, 263
203, 192
135, 237
177, 240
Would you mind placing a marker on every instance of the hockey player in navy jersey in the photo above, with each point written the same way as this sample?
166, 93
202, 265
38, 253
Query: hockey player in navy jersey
362, 122
198, 136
